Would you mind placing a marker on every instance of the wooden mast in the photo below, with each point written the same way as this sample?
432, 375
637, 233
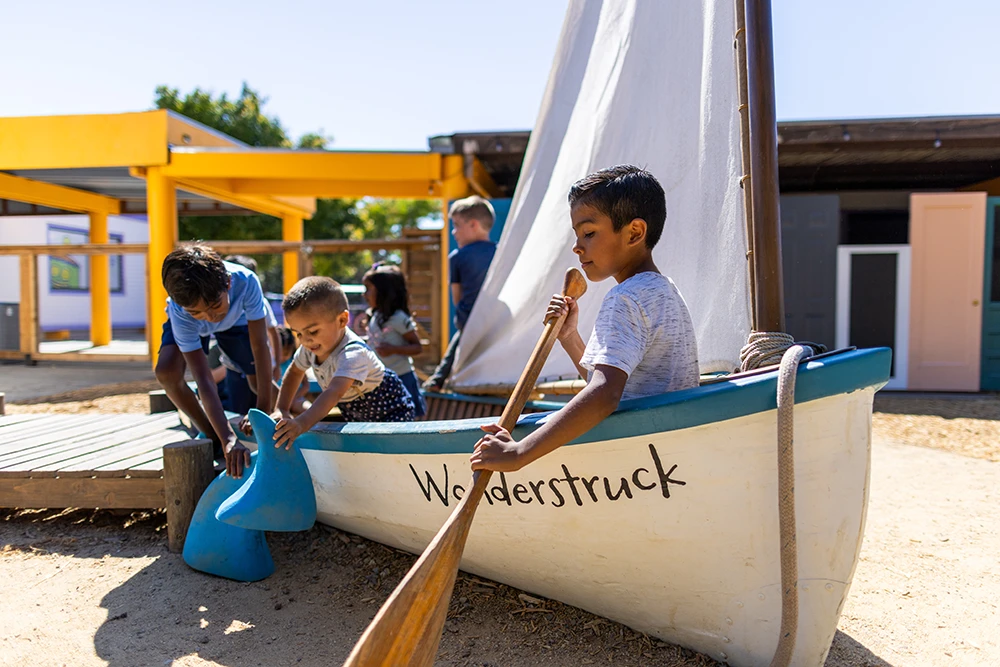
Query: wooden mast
768, 300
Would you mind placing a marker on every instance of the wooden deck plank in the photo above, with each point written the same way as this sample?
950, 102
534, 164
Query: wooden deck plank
36, 425
79, 431
57, 456
134, 493
7, 421
144, 462
51, 433
82, 440
109, 457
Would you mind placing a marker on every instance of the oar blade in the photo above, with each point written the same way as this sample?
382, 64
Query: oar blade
407, 629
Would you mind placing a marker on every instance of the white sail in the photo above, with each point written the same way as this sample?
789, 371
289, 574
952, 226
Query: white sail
645, 82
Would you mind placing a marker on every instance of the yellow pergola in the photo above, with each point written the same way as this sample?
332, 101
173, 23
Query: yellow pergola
170, 154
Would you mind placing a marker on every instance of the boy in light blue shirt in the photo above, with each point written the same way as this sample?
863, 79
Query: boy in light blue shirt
210, 297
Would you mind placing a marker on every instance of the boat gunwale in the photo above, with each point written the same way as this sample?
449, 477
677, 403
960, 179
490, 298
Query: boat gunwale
850, 371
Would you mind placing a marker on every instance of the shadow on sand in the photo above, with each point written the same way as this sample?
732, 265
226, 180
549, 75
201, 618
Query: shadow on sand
848, 652
948, 406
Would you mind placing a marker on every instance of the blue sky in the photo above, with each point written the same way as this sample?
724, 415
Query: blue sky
384, 74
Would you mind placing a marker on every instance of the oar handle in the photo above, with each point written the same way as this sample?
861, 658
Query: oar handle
574, 285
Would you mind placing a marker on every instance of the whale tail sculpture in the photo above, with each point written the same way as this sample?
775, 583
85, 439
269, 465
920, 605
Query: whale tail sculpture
221, 549
278, 494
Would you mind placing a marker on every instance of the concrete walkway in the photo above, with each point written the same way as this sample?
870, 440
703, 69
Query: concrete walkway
21, 382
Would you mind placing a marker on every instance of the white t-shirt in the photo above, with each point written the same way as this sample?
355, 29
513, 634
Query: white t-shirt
391, 332
644, 328
357, 362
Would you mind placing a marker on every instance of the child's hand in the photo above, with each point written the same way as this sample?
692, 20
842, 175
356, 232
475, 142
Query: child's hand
384, 350
278, 415
498, 451
237, 458
558, 305
285, 431
245, 426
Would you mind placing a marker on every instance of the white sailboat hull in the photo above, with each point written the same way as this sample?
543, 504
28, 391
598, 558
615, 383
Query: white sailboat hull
671, 532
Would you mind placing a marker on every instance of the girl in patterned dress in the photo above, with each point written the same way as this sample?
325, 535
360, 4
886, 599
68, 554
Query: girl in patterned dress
391, 329
352, 376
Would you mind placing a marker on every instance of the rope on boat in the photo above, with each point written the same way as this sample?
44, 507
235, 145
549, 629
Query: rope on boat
786, 504
765, 348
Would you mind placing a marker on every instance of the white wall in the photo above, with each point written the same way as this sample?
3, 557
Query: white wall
61, 309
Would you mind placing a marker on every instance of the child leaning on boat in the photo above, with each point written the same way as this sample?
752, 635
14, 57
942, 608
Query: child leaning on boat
352, 376
643, 341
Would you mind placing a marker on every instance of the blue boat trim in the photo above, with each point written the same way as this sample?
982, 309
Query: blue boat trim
832, 375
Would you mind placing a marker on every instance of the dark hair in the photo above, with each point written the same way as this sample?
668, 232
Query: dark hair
246, 262
315, 292
474, 208
624, 193
194, 273
286, 337
390, 290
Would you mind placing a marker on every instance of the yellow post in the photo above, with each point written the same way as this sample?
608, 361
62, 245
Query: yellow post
100, 283
444, 337
291, 230
161, 205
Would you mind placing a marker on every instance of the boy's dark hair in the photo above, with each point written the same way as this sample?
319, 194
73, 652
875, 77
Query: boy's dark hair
390, 290
624, 193
286, 337
194, 273
315, 292
248, 263
474, 208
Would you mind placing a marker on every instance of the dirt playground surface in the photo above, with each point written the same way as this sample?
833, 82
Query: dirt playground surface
85, 587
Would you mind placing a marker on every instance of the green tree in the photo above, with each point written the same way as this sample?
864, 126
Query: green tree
243, 118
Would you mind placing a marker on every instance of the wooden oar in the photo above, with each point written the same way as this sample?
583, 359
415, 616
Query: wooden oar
407, 629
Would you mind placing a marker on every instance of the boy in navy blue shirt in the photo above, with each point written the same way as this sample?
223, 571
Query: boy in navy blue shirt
210, 297
471, 221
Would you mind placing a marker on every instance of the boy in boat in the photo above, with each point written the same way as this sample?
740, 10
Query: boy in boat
210, 297
471, 221
352, 376
643, 341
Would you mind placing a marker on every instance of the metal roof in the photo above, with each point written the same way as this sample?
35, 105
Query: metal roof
821, 155
113, 182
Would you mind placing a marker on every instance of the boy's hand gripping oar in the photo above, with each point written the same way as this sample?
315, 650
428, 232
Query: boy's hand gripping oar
407, 629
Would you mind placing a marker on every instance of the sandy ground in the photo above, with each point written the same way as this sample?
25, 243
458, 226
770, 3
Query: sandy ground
82, 587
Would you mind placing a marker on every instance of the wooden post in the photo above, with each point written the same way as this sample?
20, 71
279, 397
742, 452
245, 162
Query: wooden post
187, 471
740, 44
2, 409
29, 305
769, 298
291, 230
160, 402
100, 283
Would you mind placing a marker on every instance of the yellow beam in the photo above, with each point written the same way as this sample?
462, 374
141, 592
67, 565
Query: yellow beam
161, 205
481, 181
220, 190
333, 189
100, 283
310, 165
55, 196
291, 230
67, 142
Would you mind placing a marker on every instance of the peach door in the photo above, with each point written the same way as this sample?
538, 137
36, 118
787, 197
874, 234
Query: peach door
947, 242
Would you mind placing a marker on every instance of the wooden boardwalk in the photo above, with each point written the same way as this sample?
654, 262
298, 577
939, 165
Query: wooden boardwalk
86, 460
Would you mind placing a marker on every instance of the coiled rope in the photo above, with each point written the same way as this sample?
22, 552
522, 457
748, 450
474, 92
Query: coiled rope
762, 349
